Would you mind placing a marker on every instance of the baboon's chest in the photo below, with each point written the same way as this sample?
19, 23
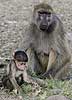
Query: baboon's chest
18, 73
19, 79
43, 43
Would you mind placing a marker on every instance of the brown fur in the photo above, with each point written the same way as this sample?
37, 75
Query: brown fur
48, 51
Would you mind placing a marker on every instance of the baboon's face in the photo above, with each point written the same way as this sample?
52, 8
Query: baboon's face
20, 65
43, 20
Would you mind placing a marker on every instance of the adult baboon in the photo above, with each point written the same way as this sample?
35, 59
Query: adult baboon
46, 44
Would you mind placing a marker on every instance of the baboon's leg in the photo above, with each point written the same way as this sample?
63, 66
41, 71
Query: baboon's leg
52, 58
57, 65
33, 62
50, 66
63, 73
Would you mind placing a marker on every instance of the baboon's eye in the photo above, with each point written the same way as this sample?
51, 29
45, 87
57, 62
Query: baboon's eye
41, 17
49, 14
47, 18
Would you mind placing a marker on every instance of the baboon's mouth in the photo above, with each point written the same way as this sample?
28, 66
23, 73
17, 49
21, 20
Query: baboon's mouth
43, 28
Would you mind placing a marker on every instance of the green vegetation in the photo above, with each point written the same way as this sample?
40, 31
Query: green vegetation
52, 87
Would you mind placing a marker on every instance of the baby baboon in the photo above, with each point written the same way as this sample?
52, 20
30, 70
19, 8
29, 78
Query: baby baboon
46, 44
17, 71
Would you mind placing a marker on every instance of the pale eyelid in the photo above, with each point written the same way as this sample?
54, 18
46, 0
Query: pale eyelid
41, 17
47, 17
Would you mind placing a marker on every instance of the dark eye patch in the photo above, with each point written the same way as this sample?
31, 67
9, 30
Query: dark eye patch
44, 12
49, 13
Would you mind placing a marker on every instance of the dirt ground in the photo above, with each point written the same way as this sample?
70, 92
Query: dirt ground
5, 96
15, 16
